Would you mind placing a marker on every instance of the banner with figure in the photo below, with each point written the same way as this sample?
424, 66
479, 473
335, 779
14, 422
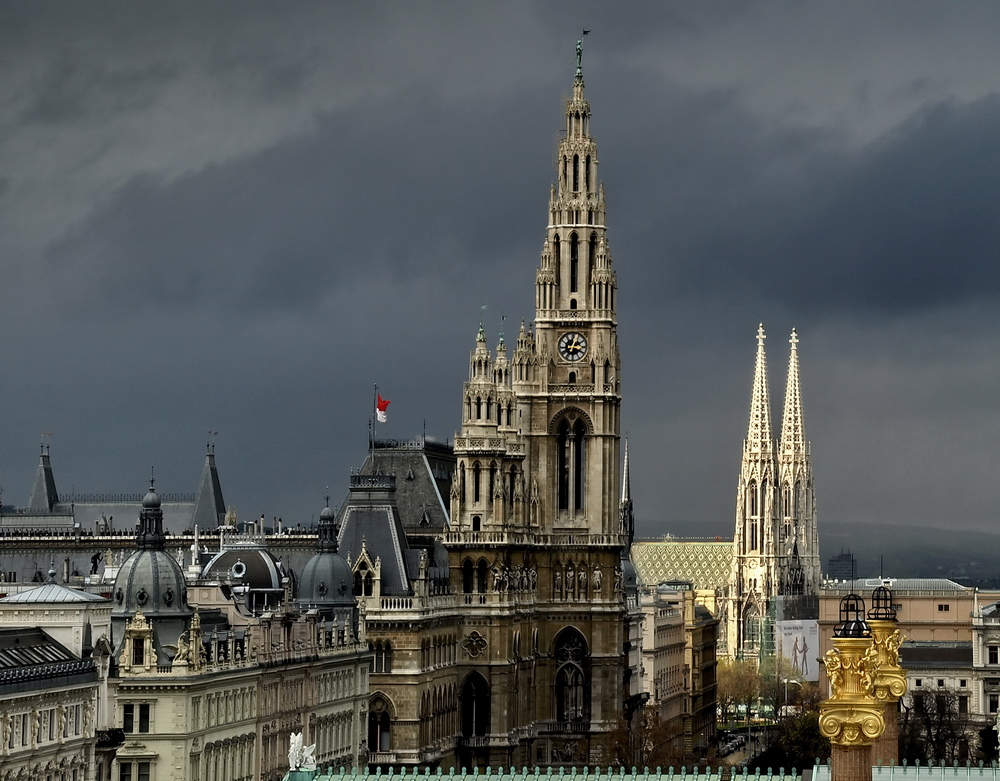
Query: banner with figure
798, 642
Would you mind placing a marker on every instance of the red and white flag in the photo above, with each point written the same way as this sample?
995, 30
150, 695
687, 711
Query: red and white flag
381, 405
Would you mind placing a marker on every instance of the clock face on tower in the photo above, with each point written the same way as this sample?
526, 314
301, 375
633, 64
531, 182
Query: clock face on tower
572, 346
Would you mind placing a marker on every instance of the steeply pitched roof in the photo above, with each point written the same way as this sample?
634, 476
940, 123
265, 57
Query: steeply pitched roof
43, 494
209, 506
370, 516
423, 471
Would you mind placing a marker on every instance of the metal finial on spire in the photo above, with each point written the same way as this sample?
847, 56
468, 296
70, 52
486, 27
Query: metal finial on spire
579, 58
760, 335
481, 336
502, 319
152, 479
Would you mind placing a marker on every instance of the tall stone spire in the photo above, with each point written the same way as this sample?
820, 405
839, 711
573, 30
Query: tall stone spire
800, 568
793, 438
625, 511
754, 578
759, 431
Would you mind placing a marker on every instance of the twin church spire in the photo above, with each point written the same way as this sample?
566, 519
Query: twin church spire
776, 545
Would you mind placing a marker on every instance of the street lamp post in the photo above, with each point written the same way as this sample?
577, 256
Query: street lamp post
787, 681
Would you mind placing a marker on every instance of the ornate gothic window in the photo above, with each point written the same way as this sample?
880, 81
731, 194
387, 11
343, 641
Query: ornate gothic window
574, 262
379, 724
468, 577
572, 674
481, 576
751, 630
571, 444
382, 661
475, 481
587, 173
576, 172
474, 703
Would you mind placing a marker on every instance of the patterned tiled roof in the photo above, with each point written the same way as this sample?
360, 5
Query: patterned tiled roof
706, 564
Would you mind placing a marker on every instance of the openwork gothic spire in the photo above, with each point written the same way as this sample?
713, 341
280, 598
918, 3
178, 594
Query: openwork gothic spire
759, 431
793, 438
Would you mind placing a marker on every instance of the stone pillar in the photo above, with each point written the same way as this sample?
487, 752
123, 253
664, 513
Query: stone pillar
890, 685
852, 717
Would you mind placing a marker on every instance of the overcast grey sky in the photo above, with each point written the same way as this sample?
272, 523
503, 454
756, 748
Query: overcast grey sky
238, 217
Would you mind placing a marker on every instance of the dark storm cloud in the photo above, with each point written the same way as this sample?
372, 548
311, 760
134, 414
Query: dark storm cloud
414, 193
795, 220
72, 89
240, 217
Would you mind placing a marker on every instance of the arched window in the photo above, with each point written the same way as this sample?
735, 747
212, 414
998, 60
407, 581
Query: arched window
572, 303
477, 523
798, 498
572, 677
579, 452
461, 483
591, 254
468, 577
752, 491
786, 500
369, 585
576, 172
481, 576
751, 630
475, 481
562, 440
572, 378
358, 585
479, 407
574, 262
474, 703
493, 478
379, 724
571, 443
489, 408
587, 173
511, 482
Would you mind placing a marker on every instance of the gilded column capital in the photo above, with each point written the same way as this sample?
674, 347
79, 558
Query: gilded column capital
890, 678
852, 716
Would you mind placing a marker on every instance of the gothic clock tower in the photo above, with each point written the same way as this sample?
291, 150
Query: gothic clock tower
566, 375
537, 538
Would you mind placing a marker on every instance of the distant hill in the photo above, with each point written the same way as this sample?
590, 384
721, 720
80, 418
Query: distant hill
968, 557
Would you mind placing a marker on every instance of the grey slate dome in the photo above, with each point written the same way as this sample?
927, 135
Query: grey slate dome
327, 582
151, 581
254, 567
